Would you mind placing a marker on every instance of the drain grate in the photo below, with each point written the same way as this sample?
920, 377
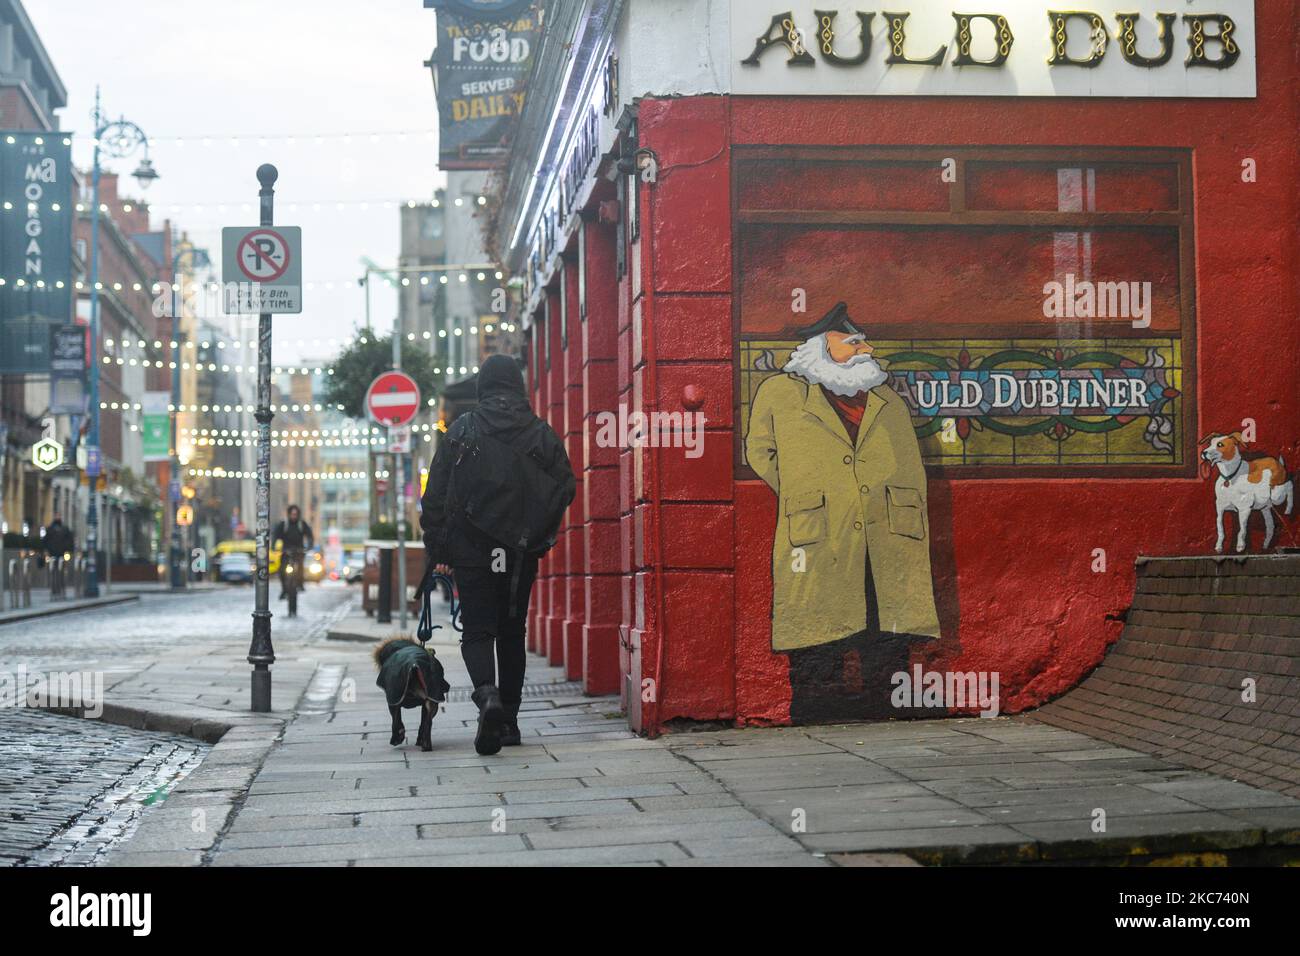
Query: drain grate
567, 688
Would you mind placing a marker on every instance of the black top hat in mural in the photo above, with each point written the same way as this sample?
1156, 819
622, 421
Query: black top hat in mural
836, 320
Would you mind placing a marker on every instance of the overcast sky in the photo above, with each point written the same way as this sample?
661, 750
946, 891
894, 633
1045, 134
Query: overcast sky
250, 68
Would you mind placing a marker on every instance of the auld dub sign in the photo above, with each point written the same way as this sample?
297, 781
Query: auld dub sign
1008, 48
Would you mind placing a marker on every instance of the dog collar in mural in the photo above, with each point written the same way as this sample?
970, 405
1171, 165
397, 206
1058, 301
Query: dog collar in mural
1227, 479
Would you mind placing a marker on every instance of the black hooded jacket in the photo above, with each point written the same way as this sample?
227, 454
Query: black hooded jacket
503, 412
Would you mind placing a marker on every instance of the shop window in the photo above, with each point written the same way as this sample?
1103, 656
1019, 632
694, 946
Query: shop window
545, 333
532, 354
995, 267
633, 208
564, 306
582, 270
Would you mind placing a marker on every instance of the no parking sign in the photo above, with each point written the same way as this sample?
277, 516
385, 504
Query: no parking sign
261, 267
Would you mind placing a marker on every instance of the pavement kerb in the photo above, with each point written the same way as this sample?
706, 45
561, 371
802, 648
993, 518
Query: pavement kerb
176, 840
333, 635
248, 738
209, 726
85, 604
1109, 851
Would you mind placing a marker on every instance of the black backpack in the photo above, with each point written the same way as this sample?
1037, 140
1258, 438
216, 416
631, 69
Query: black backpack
504, 490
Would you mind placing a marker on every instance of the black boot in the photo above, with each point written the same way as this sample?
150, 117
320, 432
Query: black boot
510, 732
491, 720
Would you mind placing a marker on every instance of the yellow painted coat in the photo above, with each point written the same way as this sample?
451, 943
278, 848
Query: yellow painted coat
835, 503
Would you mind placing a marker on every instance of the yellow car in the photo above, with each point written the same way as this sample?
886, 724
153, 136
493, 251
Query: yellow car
249, 547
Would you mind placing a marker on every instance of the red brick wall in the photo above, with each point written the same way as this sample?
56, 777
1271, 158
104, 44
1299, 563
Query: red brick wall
16, 111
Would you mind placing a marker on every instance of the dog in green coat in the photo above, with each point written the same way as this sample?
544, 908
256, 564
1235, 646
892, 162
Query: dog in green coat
411, 676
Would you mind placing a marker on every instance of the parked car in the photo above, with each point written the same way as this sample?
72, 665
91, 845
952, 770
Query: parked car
237, 567
354, 562
249, 547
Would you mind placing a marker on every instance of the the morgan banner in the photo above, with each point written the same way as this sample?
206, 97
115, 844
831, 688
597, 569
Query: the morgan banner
35, 246
484, 55
1198, 48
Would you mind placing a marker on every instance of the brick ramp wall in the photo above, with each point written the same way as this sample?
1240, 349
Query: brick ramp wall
1172, 684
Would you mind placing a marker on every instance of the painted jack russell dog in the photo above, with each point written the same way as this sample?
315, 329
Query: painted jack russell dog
1243, 486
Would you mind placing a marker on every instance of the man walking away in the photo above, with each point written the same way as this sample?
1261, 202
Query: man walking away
496, 494
58, 539
58, 542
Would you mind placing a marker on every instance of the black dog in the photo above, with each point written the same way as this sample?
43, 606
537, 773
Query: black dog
411, 676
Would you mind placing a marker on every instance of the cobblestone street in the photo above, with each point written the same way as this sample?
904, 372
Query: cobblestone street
72, 788
118, 639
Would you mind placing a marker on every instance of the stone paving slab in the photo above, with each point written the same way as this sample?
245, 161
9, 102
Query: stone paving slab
986, 790
327, 789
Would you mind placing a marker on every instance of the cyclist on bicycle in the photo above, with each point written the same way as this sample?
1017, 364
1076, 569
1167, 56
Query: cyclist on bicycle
298, 539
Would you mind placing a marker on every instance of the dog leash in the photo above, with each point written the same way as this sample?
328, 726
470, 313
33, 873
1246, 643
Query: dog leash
425, 628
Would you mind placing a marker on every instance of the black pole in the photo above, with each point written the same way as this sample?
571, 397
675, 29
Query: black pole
261, 654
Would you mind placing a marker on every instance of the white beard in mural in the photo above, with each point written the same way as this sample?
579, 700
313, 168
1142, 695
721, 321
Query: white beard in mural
812, 362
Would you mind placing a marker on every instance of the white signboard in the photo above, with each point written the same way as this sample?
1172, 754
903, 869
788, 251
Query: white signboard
399, 440
1129, 48
261, 269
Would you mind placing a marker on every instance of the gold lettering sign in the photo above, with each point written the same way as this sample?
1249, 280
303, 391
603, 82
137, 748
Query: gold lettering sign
1211, 40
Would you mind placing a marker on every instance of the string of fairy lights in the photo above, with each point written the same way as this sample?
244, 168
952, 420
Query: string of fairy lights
426, 277
211, 353
299, 437
234, 205
326, 475
235, 140
207, 343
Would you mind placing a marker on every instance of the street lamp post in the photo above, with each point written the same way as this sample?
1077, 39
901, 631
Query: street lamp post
118, 138
261, 653
176, 577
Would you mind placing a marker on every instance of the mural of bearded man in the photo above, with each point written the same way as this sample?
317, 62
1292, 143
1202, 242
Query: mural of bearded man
852, 587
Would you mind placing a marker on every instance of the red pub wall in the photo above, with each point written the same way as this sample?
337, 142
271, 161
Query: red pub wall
1013, 557
600, 486
575, 593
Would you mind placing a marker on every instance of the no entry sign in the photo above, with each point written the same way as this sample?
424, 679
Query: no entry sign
393, 398
261, 267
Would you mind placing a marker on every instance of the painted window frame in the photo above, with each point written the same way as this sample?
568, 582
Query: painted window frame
958, 214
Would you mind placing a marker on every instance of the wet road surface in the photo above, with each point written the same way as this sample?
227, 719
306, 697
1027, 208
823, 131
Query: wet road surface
72, 788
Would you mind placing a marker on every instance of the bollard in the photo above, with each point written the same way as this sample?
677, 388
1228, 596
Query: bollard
26, 576
385, 612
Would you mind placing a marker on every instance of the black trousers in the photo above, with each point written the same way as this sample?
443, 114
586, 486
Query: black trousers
494, 615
